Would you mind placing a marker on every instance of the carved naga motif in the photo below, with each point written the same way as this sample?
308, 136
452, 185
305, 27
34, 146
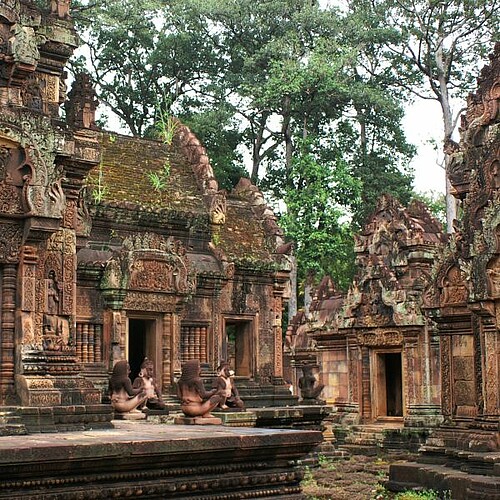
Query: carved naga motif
218, 208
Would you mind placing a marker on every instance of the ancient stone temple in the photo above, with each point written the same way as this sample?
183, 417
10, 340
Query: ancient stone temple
464, 301
98, 262
378, 356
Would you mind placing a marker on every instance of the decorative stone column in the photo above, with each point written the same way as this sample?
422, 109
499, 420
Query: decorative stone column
8, 275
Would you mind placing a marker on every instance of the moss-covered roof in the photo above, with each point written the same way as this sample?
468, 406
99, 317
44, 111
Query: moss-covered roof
123, 175
242, 237
122, 180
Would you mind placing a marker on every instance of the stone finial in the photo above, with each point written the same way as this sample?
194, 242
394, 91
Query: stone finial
23, 45
60, 8
82, 103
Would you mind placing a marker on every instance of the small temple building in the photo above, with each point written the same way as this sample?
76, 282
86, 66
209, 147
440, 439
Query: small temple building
100, 263
373, 345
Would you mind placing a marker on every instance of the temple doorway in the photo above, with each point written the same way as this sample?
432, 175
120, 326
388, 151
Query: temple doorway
141, 343
238, 346
388, 384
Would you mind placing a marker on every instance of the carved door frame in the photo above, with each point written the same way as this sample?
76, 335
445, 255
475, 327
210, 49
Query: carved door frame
154, 339
378, 387
251, 335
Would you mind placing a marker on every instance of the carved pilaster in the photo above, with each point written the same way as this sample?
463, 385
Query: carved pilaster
175, 326
413, 370
353, 356
8, 275
166, 355
446, 398
491, 342
366, 386
478, 353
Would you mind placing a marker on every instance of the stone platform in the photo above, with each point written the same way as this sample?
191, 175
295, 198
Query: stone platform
458, 484
138, 459
465, 462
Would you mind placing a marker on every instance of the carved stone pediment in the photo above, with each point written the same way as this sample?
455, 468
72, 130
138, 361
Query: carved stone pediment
150, 262
31, 145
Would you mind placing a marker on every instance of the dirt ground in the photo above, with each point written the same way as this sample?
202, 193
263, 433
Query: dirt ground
355, 478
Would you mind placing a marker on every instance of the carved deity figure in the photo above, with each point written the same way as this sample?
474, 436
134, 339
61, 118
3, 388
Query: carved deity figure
226, 388
195, 400
145, 380
52, 294
309, 387
124, 398
52, 325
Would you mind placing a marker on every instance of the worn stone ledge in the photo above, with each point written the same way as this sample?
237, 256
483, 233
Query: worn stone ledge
156, 461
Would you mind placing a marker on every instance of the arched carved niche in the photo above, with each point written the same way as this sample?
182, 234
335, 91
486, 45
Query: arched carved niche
33, 144
55, 289
16, 173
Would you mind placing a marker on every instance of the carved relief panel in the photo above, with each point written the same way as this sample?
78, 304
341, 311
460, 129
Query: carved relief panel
15, 171
55, 293
10, 242
454, 291
463, 375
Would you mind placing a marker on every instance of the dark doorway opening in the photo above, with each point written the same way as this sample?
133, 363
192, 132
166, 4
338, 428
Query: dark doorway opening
393, 384
140, 344
238, 347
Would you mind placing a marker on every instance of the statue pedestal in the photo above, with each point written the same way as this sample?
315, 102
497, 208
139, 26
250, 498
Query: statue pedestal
237, 418
157, 416
130, 415
181, 420
36, 390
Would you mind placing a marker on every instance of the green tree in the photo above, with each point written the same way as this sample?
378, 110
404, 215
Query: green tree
439, 51
139, 59
320, 193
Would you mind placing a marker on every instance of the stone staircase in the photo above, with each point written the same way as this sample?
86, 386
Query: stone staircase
11, 423
371, 439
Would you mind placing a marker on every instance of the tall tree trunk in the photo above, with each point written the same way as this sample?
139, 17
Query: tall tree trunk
444, 100
257, 147
287, 132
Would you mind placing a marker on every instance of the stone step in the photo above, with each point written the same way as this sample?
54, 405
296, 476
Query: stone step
12, 430
458, 484
11, 423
